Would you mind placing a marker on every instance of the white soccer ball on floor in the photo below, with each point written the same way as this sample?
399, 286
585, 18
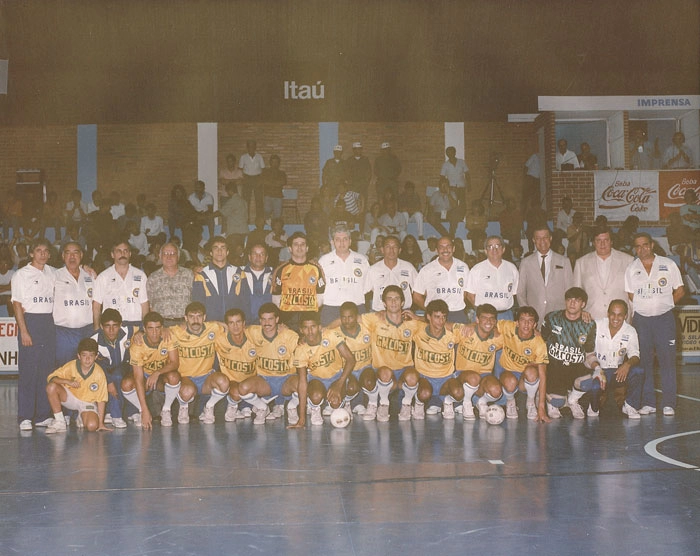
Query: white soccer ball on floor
495, 415
340, 418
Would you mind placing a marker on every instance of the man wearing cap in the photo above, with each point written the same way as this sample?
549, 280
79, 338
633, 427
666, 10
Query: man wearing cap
387, 168
359, 171
334, 170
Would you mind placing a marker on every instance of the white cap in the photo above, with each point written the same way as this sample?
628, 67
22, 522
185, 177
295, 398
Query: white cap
386, 146
338, 148
357, 145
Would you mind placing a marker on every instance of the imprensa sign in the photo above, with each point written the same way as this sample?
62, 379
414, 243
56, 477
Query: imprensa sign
631, 102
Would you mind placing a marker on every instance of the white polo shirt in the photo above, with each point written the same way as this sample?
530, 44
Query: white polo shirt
455, 172
380, 276
494, 285
72, 307
124, 295
345, 279
251, 165
653, 292
201, 205
611, 351
436, 282
33, 288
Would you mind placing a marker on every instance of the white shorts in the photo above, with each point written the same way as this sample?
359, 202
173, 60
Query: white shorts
75, 404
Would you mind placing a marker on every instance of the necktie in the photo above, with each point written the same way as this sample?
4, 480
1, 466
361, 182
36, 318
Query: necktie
542, 268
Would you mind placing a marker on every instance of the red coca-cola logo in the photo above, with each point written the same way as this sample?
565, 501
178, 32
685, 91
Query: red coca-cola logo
614, 197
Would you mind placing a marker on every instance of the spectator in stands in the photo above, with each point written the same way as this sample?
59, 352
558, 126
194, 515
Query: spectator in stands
74, 235
565, 217
334, 171
578, 239
456, 172
565, 157
587, 160
477, 223
129, 217
410, 205
358, 171
690, 211
443, 206
152, 225
203, 204
12, 217
352, 206
373, 226
95, 203
273, 180
276, 240
678, 155
624, 238
375, 252
430, 252
410, 252
511, 220
387, 168
141, 205
234, 212
230, 174
394, 222
138, 242
179, 209
75, 208
645, 156
51, 215
252, 164
531, 181
679, 235
6, 274
316, 222
101, 230
116, 207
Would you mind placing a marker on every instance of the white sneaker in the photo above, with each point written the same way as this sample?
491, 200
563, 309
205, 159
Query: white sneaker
418, 411
136, 419
207, 416
646, 410
26, 425
183, 414
592, 412
245, 413
669, 411
327, 410
448, 411
459, 409
631, 412
531, 411
261, 416
58, 425
553, 411
405, 413
45, 423
166, 418
576, 410
66, 418
316, 416
276, 413
468, 412
483, 407
79, 422
292, 415
432, 410
370, 413
108, 418
359, 409
119, 423
231, 413
511, 410
382, 413
132, 418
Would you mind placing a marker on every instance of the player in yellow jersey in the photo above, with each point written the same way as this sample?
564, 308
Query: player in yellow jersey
392, 344
323, 362
237, 355
434, 370
154, 362
523, 364
79, 385
476, 356
273, 365
196, 347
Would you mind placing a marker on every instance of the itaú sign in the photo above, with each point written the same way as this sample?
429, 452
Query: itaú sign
296, 91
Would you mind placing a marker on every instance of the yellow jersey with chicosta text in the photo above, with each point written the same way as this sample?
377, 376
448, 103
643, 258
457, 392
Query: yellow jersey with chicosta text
274, 354
151, 358
392, 344
434, 356
322, 360
236, 361
298, 286
518, 354
197, 351
478, 354
360, 344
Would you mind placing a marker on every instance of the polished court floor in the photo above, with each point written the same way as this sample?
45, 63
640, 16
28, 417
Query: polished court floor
601, 486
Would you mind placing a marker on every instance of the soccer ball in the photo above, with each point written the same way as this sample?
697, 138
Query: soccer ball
340, 418
495, 415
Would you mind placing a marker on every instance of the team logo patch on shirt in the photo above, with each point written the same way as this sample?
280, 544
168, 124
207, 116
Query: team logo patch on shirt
127, 344
135, 293
492, 347
450, 345
527, 351
622, 351
93, 386
358, 272
460, 282
163, 351
251, 353
312, 280
211, 335
404, 285
366, 338
325, 343
89, 292
282, 350
406, 333
662, 282
236, 278
582, 339
510, 287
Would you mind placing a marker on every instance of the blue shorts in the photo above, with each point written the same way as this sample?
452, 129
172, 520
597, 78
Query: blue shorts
498, 370
437, 383
199, 380
276, 383
398, 373
357, 373
325, 381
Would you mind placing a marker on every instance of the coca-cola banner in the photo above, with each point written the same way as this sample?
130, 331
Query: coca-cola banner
672, 187
620, 194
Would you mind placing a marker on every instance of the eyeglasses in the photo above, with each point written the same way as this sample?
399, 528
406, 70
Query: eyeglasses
494, 246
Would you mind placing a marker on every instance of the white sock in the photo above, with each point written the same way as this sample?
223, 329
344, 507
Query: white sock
383, 389
308, 401
509, 395
449, 400
531, 389
294, 402
469, 391
348, 399
216, 396
59, 416
409, 393
255, 401
171, 392
575, 395
372, 395
231, 401
132, 398
182, 402
489, 398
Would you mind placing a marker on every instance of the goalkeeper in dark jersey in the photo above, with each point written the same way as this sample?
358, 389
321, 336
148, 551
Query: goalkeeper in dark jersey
571, 350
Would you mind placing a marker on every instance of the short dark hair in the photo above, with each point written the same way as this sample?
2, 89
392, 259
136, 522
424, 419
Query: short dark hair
296, 235
349, 306
196, 307
310, 315
486, 308
526, 310
437, 306
395, 289
576, 293
87, 344
621, 302
111, 315
232, 313
152, 316
269, 308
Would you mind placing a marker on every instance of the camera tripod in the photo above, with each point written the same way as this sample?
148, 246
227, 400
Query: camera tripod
492, 193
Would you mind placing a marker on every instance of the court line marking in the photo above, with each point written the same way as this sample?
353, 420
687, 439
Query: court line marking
681, 396
650, 448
